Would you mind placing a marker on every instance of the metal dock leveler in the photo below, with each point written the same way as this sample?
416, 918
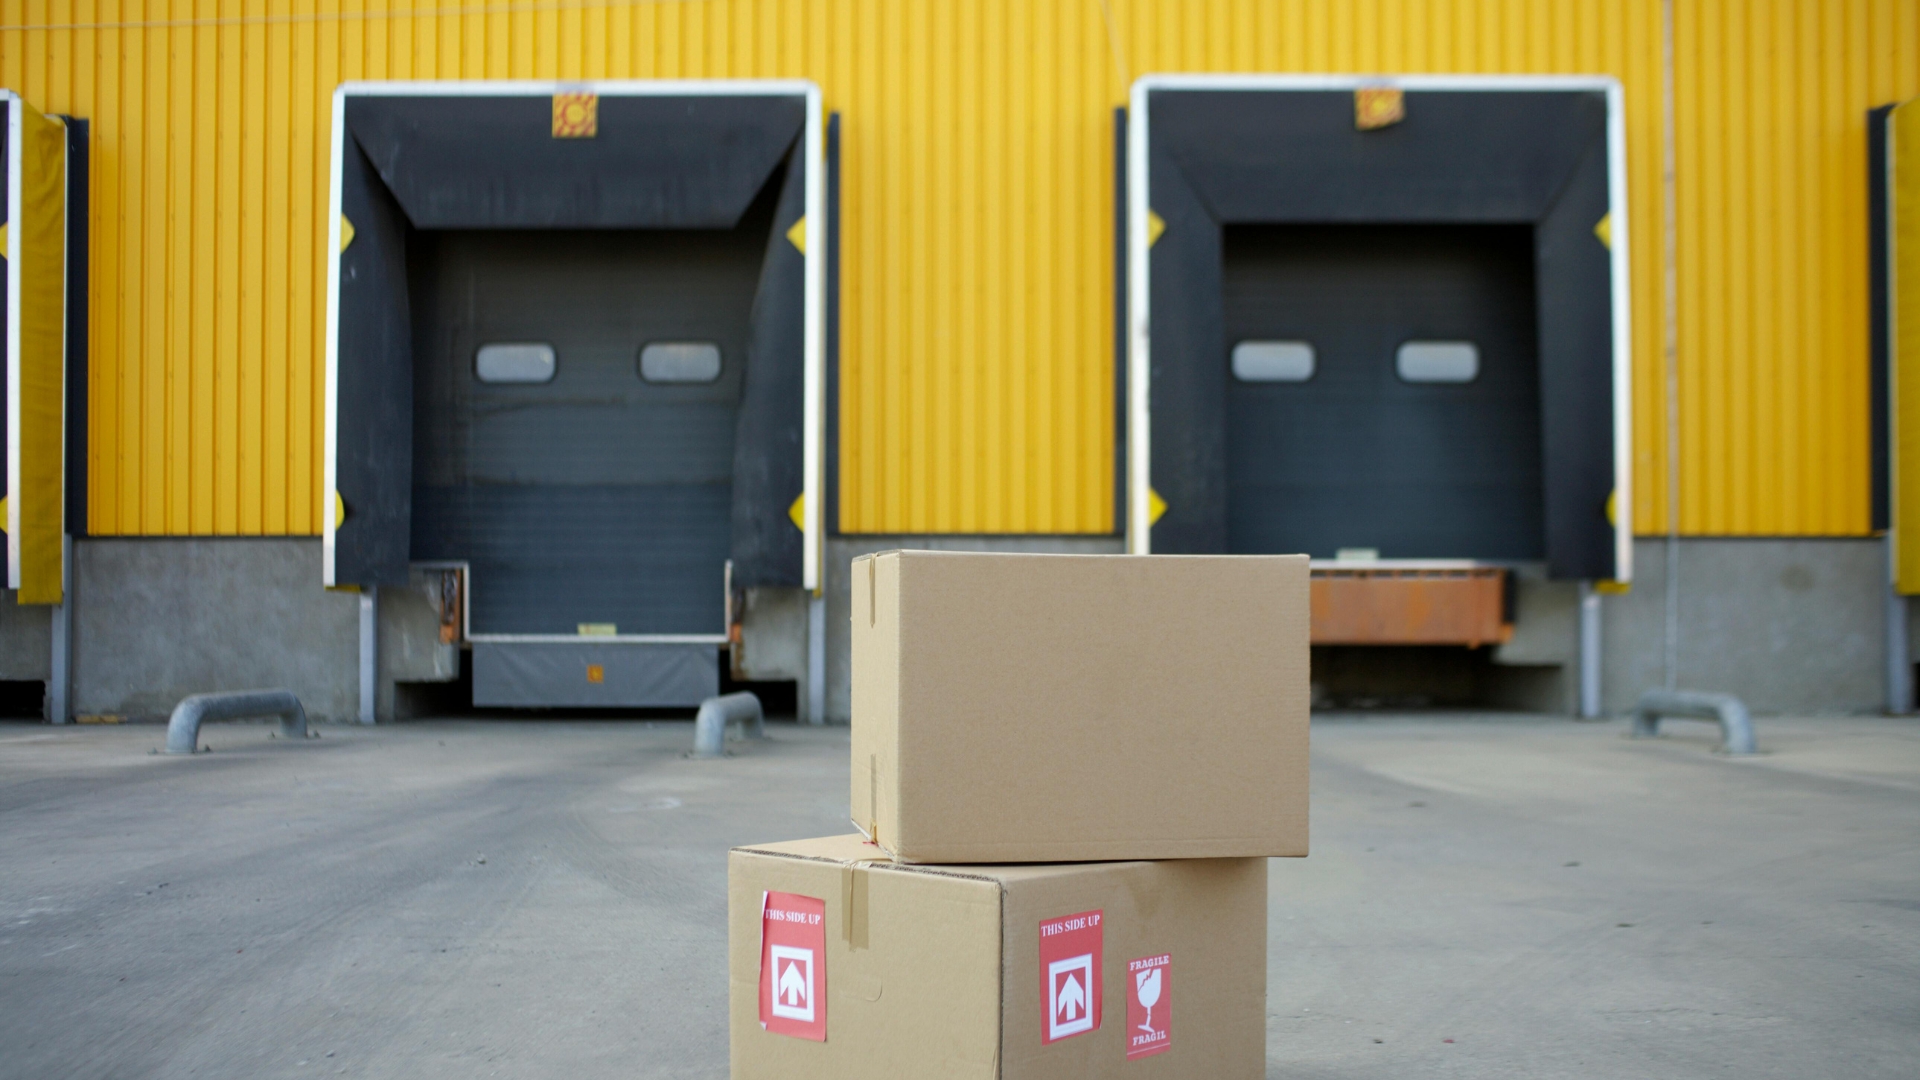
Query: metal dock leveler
183, 728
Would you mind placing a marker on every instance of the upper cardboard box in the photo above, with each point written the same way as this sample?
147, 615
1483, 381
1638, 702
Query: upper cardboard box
1062, 708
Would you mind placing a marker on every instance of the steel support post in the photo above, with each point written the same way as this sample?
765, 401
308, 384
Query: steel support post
816, 659
369, 651
60, 678
1589, 652
1899, 662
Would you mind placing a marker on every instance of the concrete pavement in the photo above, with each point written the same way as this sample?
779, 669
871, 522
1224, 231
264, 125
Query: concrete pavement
545, 899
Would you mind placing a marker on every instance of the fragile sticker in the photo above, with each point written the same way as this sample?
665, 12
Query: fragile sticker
793, 965
1149, 1010
1070, 975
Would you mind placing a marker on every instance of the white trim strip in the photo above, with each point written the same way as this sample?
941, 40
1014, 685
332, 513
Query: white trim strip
331, 477
1618, 235
1520, 83
814, 348
15, 123
605, 88
1417, 564
1139, 340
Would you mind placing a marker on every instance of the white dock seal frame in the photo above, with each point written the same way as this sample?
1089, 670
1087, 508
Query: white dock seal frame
1140, 512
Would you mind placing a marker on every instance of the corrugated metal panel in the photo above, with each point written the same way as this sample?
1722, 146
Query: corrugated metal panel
1770, 105
977, 388
1903, 302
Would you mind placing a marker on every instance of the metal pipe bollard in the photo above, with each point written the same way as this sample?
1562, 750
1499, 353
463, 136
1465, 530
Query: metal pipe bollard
1736, 727
710, 725
183, 728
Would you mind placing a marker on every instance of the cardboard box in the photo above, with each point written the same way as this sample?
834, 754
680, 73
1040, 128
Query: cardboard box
1067, 708
887, 970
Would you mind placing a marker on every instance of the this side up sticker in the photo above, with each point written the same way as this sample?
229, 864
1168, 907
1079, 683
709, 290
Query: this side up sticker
1070, 975
793, 965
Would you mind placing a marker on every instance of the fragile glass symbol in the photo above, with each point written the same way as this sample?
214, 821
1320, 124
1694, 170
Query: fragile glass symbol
1147, 985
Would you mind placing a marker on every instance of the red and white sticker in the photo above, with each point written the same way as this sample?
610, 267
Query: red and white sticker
793, 965
1070, 975
1149, 1008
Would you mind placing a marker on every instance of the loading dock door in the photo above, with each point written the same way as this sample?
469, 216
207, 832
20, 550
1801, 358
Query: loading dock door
1344, 449
595, 495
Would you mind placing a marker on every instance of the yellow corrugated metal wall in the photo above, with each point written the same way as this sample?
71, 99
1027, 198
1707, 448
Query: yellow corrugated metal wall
977, 345
1770, 104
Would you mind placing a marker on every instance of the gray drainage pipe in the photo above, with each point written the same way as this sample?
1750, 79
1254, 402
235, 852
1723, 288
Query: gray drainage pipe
710, 726
1736, 727
183, 729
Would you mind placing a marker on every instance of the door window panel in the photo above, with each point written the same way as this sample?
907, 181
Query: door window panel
515, 362
1437, 361
680, 362
1273, 361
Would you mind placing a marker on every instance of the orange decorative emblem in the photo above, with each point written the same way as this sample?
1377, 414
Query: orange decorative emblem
576, 116
1373, 107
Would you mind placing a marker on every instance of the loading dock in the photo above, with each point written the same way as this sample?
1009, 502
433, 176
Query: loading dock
1382, 321
574, 357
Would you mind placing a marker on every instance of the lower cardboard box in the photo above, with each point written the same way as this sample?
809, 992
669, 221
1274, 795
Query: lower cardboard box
844, 965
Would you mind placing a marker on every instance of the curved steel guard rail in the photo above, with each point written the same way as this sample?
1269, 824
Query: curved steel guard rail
183, 729
710, 725
1736, 727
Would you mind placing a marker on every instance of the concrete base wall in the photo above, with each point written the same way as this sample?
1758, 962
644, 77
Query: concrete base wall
26, 638
158, 619
1791, 626
1537, 669
773, 636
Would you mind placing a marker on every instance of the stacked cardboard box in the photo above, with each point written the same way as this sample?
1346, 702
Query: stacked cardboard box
1067, 774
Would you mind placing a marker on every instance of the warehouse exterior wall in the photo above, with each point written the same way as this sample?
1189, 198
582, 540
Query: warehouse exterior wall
158, 619
26, 639
976, 367
1790, 625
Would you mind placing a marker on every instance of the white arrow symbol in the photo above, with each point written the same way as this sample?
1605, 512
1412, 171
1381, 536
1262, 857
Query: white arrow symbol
793, 988
1072, 1000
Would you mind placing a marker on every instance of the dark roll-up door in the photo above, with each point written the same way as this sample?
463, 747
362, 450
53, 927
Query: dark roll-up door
1330, 444
598, 496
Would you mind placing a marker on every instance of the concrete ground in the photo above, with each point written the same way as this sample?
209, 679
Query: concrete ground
1488, 897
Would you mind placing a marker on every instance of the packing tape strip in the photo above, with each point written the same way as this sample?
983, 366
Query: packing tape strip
853, 901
